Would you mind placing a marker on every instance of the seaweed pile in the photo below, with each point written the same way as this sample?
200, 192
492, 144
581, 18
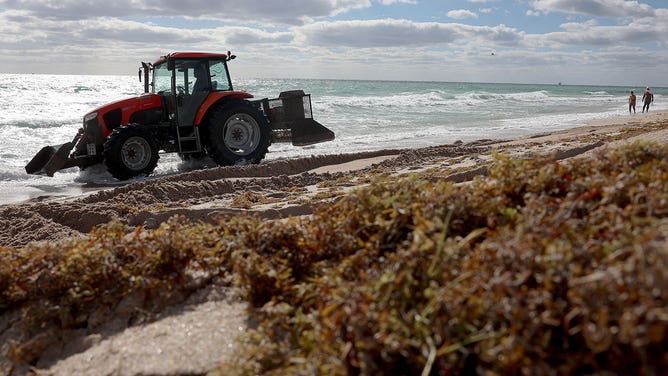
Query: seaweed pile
543, 267
540, 267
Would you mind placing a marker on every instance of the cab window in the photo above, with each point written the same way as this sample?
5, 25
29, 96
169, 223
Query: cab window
162, 79
219, 80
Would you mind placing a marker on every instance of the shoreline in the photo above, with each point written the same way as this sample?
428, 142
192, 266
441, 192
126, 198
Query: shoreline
60, 191
284, 187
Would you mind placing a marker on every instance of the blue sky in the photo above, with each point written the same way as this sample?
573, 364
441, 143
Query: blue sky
606, 42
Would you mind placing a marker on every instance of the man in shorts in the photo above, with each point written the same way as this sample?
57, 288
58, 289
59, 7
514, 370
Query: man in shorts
647, 98
632, 102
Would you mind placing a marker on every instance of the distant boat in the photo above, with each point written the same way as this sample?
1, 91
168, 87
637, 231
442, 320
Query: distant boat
559, 83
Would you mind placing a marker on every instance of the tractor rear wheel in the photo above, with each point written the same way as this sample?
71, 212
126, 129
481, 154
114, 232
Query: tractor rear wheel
130, 151
238, 133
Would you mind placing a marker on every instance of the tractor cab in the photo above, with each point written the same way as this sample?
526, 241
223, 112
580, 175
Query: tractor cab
184, 82
188, 84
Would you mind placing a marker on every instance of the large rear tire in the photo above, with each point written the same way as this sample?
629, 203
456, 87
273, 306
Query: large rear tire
130, 151
238, 134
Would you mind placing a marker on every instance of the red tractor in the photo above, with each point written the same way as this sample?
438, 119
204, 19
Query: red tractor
188, 107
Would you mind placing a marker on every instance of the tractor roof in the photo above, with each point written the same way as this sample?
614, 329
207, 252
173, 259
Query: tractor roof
192, 55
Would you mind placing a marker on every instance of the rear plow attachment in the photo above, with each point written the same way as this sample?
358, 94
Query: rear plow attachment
292, 120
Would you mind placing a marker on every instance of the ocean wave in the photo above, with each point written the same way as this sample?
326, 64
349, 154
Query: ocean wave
441, 101
13, 175
597, 93
394, 100
33, 124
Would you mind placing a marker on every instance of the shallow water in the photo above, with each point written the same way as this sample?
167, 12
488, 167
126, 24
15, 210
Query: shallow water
39, 110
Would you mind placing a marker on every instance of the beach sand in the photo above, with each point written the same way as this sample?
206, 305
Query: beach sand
287, 187
275, 189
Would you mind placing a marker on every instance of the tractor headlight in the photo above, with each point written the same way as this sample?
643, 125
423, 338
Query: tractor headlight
90, 120
90, 117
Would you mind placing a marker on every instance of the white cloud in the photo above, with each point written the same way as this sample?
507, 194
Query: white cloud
579, 27
390, 2
597, 8
398, 33
299, 38
377, 33
246, 35
588, 34
293, 12
460, 14
19, 27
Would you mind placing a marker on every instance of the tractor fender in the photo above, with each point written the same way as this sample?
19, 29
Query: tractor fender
216, 97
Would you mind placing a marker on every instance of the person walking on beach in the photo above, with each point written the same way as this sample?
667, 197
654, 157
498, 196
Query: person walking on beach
632, 102
647, 98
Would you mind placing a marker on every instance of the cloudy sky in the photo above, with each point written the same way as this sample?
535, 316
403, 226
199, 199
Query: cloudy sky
609, 42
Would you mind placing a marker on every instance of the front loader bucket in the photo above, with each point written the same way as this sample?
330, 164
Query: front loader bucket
50, 159
308, 131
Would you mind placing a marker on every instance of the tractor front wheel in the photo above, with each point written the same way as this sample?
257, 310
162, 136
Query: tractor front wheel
238, 133
130, 151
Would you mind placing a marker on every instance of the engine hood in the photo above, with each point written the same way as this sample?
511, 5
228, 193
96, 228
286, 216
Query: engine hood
144, 109
129, 105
